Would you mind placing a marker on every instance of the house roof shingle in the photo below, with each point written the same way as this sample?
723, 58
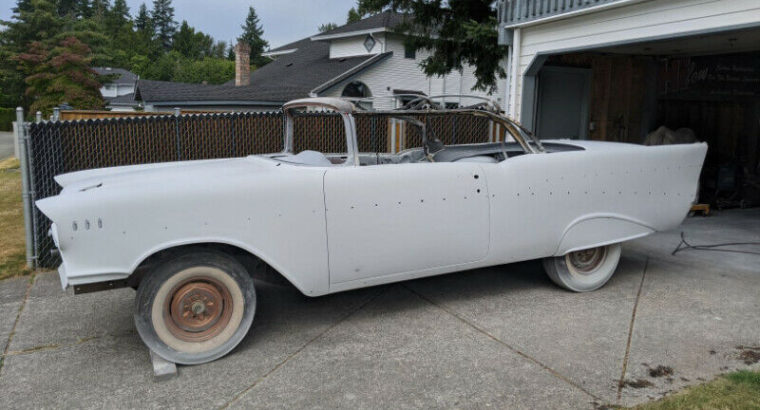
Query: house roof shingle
121, 76
386, 19
126, 99
288, 77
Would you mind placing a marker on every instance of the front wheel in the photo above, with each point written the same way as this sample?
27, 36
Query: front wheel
196, 307
585, 270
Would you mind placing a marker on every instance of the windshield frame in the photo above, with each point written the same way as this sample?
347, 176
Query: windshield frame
527, 141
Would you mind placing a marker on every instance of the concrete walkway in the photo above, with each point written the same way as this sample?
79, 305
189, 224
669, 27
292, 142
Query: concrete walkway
502, 337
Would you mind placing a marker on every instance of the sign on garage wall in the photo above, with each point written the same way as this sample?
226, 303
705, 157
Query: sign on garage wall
712, 77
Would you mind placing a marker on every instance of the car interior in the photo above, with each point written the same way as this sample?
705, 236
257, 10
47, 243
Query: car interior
494, 152
432, 150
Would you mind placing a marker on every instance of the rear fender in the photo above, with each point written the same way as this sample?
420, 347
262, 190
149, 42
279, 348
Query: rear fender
591, 231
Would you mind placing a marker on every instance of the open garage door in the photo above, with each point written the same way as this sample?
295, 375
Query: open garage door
705, 87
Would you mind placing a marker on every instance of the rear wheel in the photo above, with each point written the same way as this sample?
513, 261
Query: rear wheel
196, 307
585, 270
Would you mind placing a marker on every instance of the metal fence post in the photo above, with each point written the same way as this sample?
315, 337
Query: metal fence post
26, 195
38, 117
177, 113
56, 114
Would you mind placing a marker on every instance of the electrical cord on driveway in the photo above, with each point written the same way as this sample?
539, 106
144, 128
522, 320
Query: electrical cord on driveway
712, 247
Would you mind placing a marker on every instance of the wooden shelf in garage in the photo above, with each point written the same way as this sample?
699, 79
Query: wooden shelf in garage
704, 208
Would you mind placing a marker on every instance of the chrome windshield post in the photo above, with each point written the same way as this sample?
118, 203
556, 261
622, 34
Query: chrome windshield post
344, 108
288, 145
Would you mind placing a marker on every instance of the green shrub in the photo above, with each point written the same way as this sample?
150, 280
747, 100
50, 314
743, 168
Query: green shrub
7, 116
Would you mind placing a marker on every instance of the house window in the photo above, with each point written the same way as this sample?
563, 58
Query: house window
410, 52
357, 90
369, 43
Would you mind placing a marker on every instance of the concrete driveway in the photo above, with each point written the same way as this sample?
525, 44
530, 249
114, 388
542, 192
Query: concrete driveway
502, 337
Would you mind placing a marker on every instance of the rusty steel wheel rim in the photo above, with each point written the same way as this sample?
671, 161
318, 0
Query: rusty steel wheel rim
587, 260
198, 309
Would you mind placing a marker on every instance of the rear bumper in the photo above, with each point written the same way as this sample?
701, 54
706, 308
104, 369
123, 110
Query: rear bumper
75, 279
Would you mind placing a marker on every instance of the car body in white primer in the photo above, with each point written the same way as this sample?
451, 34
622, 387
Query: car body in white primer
329, 228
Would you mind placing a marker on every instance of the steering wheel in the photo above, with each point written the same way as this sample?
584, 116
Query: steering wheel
430, 147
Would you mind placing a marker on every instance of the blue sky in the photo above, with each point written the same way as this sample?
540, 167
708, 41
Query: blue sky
283, 20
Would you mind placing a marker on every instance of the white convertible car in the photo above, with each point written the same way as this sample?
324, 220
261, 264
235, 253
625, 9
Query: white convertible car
189, 236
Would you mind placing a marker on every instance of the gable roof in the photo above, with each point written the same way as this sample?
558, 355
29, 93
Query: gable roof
122, 100
290, 46
302, 67
295, 75
387, 20
121, 76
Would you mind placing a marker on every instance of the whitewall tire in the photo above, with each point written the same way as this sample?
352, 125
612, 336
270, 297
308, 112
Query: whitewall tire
585, 270
196, 307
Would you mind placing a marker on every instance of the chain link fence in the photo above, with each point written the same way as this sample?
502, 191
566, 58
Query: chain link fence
58, 147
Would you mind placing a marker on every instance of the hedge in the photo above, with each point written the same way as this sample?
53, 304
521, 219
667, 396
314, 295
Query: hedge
7, 116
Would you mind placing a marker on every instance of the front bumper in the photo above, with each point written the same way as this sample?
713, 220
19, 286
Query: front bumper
63, 276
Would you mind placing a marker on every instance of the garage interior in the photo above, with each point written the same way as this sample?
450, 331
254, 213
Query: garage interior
709, 84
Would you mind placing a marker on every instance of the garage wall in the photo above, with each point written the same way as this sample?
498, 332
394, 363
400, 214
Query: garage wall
637, 22
623, 94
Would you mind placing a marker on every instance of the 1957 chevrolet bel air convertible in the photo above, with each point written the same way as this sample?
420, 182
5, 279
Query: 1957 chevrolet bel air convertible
189, 236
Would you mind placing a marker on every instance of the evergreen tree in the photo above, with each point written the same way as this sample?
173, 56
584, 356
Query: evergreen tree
142, 21
353, 16
118, 17
83, 9
99, 8
164, 25
192, 44
184, 40
252, 32
25, 5
35, 20
67, 7
62, 29
60, 75
327, 27
32, 20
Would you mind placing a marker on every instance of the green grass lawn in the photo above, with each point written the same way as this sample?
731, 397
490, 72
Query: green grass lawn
738, 390
12, 249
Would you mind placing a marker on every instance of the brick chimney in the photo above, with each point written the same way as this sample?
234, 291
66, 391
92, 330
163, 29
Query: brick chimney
242, 64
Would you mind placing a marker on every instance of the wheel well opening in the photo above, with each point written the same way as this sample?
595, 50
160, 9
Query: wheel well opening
257, 268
